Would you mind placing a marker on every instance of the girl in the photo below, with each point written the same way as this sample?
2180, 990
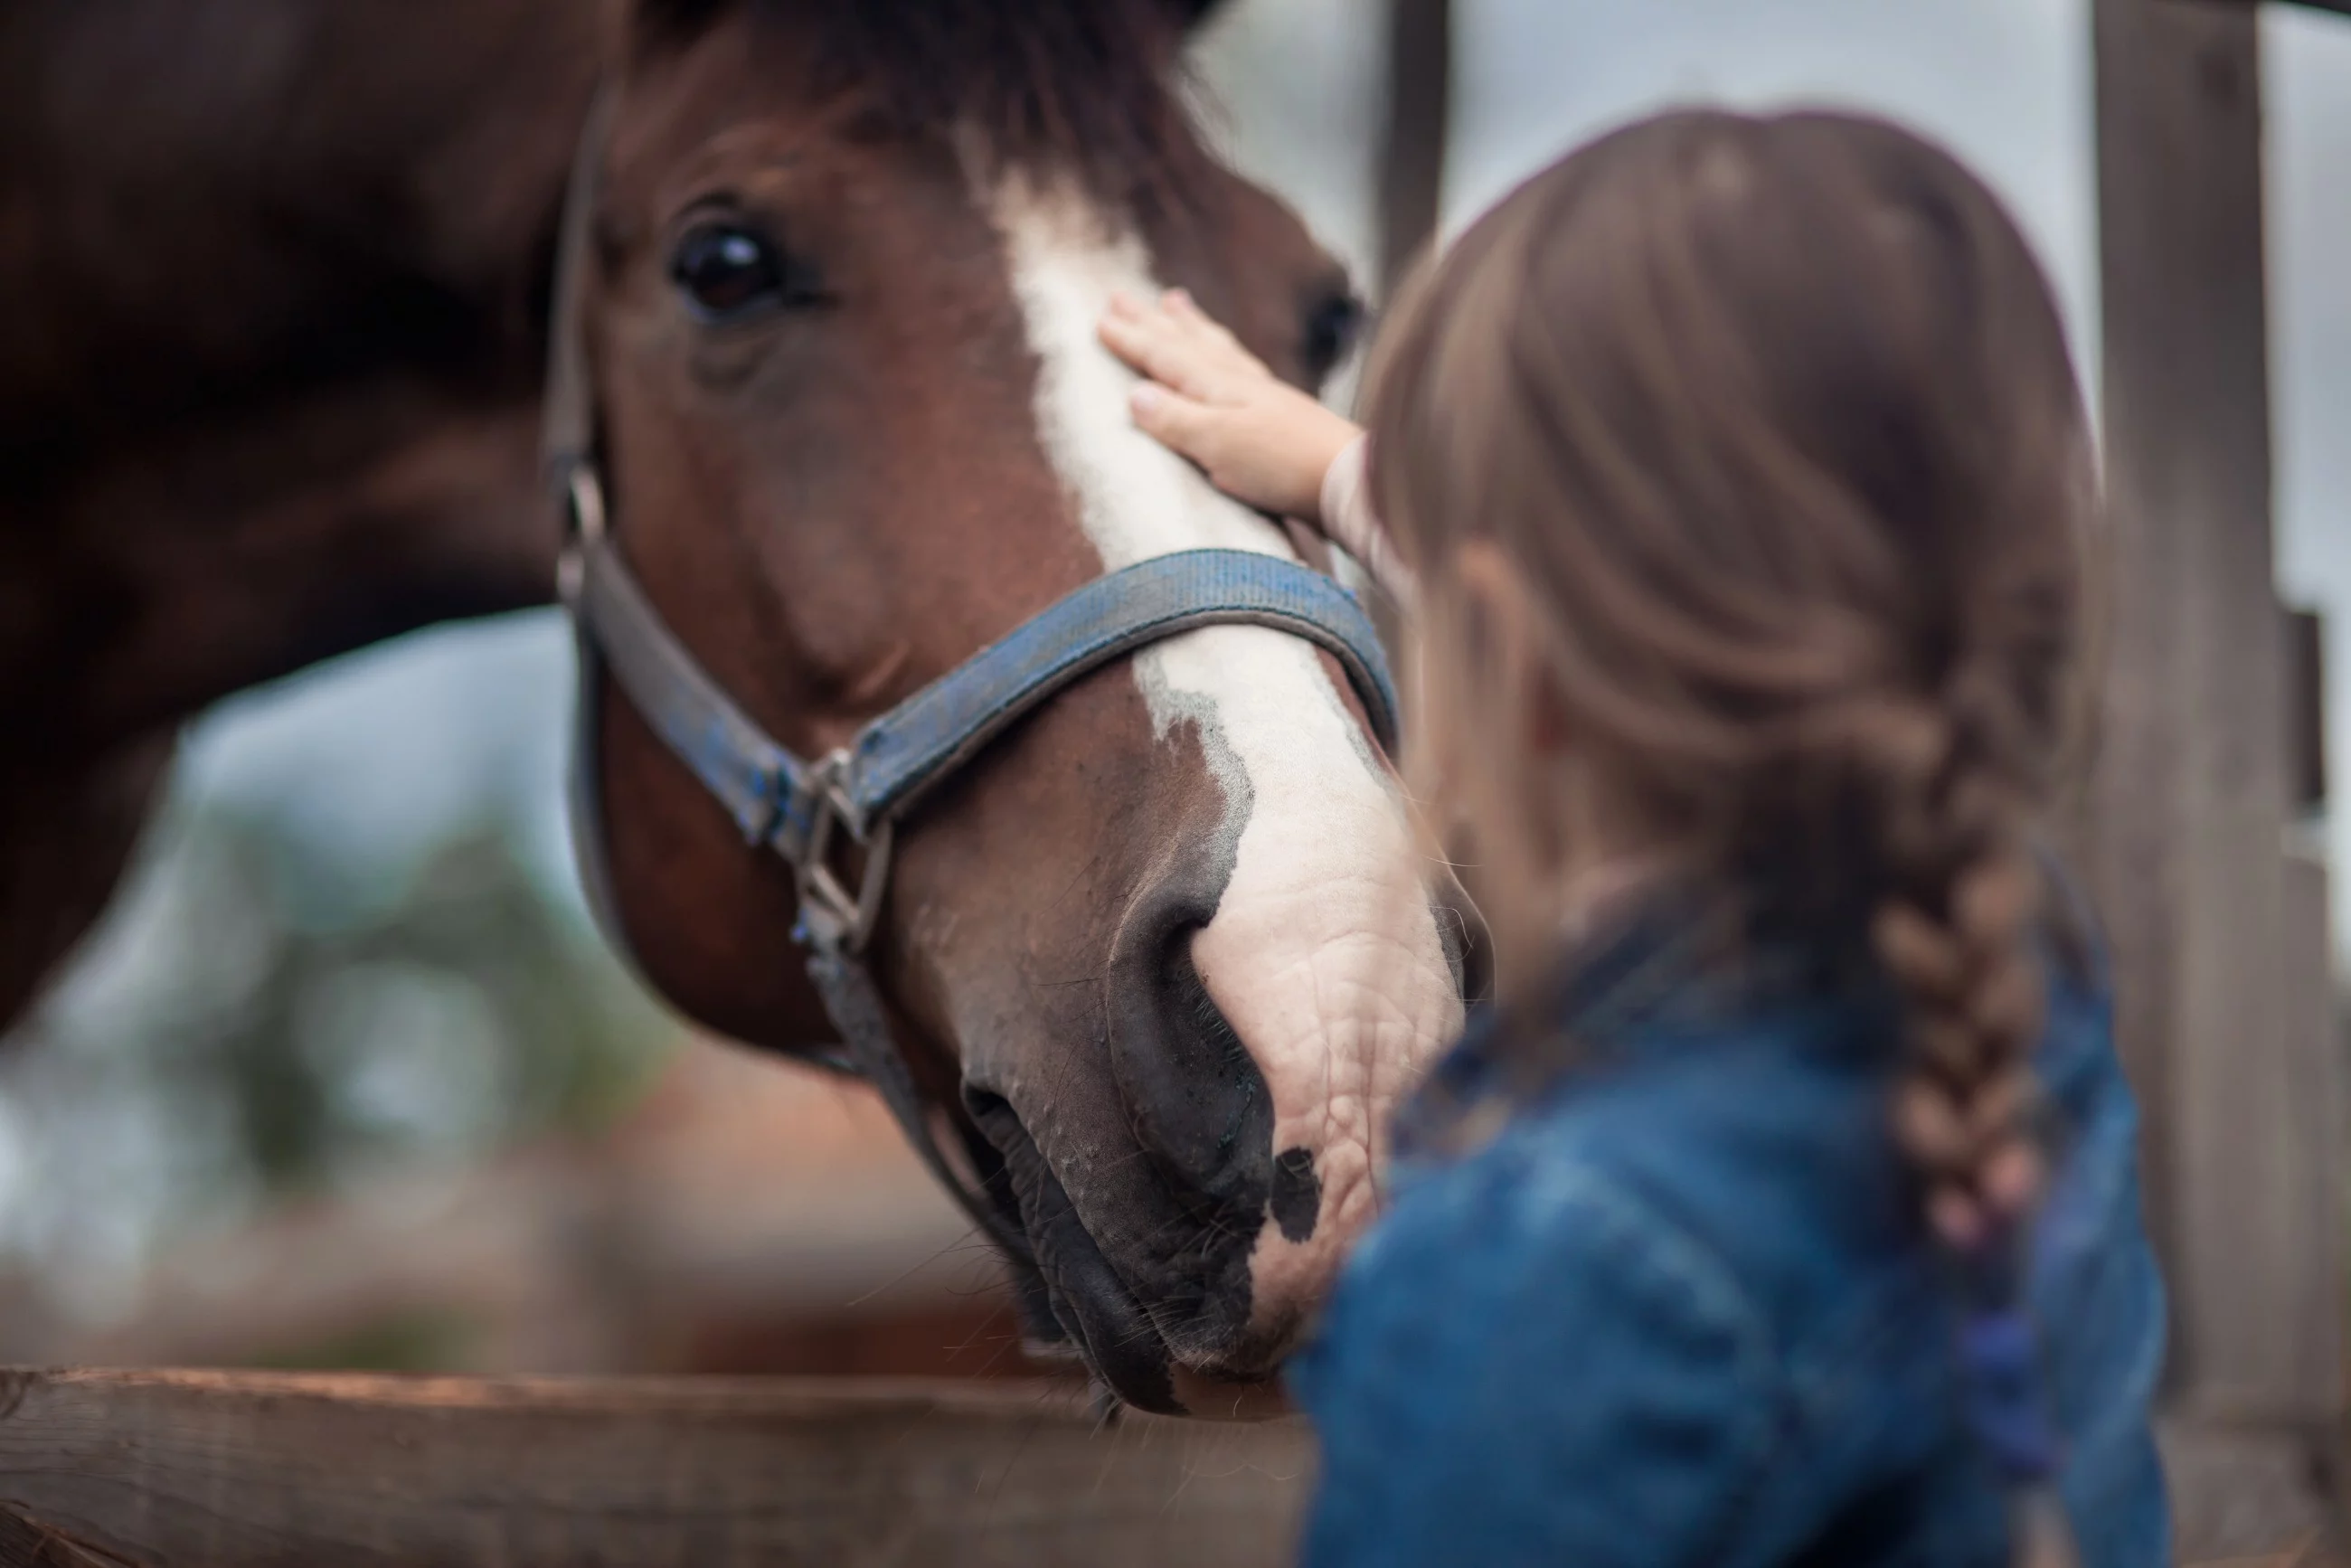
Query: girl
1783, 1211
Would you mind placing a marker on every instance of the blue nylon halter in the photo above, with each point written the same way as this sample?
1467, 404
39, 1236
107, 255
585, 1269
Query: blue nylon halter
781, 799
900, 754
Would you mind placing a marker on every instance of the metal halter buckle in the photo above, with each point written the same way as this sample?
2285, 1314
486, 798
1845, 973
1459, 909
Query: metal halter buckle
833, 918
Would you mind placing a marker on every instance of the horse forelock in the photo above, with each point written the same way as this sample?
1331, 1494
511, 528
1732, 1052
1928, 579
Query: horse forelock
1091, 86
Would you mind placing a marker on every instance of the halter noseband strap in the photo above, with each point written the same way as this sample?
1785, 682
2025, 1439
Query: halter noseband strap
799, 807
808, 812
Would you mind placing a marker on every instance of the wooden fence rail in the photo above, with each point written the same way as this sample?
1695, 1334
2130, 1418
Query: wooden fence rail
204, 1469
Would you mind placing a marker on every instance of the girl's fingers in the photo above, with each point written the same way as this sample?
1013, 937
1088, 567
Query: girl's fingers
1185, 312
1185, 350
1154, 354
1171, 418
1164, 351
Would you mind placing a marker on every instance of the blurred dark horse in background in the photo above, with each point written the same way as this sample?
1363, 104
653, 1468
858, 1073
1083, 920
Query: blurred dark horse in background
275, 276
272, 302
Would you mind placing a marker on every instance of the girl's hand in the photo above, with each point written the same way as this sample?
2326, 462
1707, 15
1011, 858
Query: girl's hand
1259, 439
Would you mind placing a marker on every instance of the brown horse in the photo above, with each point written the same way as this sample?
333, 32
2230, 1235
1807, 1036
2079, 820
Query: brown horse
272, 305
1167, 945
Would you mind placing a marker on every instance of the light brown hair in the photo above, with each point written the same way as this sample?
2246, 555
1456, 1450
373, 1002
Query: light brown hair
1745, 473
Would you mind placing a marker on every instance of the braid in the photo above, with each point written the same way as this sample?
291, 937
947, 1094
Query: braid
1973, 996
1945, 789
1914, 811
1954, 930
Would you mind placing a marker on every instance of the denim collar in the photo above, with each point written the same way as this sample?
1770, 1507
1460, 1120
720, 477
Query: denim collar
1653, 977
1642, 961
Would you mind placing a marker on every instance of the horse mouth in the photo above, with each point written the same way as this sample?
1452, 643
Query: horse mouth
1091, 1304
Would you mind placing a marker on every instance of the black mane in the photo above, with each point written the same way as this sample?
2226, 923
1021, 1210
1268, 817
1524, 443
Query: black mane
1091, 84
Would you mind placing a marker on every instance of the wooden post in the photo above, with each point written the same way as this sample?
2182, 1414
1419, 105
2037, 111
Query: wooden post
1412, 161
2222, 968
190, 1470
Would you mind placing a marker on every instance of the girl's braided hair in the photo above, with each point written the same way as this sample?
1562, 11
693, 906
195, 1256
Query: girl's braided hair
1747, 455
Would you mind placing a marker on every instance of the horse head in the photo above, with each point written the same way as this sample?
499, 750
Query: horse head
1167, 949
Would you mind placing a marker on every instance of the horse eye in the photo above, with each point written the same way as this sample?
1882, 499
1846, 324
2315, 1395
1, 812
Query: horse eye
1331, 329
728, 271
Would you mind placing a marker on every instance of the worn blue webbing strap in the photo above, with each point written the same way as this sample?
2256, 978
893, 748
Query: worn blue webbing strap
775, 796
755, 780
937, 729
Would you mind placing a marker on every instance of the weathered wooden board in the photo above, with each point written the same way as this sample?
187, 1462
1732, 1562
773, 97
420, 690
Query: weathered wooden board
2221, 961
197, 1470
2193, 801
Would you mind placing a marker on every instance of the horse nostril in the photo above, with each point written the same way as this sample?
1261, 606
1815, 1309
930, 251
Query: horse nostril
1192, 1091
1233, 1086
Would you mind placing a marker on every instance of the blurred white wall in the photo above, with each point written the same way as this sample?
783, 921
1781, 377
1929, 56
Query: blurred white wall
2004, 82
1294, 93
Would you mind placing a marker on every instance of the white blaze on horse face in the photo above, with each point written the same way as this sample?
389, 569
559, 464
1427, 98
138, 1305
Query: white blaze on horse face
1324, 954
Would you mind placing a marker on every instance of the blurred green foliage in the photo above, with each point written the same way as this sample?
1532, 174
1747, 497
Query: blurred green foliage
263, 1015
465, 1011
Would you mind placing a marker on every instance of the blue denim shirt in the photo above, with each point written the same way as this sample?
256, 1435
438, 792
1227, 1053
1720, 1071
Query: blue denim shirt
1681, 1309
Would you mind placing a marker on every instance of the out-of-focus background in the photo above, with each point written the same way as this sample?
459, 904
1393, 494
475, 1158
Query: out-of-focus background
346, 1077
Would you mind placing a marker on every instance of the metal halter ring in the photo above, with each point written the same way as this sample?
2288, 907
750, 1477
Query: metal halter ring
832, 917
